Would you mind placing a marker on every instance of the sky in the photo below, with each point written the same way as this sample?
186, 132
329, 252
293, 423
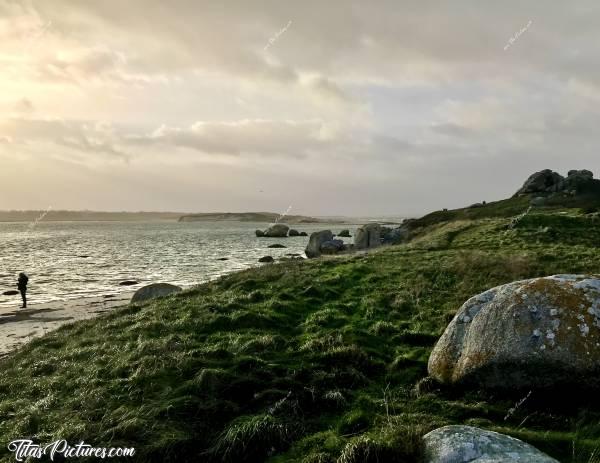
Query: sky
333, 108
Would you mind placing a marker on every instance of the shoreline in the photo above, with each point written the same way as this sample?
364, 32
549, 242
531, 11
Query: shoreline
19, 326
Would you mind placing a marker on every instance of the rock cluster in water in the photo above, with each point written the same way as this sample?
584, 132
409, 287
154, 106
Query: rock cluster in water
278, 230
316, 241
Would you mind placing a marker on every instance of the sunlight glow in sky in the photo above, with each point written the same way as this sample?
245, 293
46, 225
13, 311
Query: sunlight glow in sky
337, 108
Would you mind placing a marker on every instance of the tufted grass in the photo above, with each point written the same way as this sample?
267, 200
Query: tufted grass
317, 361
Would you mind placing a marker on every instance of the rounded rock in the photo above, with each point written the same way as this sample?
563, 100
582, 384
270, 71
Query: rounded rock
154, 290
467, 444
535, 333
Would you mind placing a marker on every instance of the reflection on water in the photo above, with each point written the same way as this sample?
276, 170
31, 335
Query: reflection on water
66, 260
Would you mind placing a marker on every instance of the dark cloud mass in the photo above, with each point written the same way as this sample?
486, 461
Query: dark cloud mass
350, 107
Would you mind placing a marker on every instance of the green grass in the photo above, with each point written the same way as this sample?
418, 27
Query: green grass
317, 361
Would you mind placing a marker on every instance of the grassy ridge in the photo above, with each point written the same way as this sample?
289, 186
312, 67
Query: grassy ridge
301, 361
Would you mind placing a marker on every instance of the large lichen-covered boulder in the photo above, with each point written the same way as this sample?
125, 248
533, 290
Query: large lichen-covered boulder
154, 290
277, 230
313, 249
527, 334
466, 444
367, 236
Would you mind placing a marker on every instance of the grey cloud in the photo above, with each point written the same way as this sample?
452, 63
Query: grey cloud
438, 97
89, 138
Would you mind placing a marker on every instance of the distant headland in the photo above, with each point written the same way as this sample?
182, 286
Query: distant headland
52, 215
250, 217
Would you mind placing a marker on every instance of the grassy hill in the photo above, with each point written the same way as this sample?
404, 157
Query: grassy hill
315, 361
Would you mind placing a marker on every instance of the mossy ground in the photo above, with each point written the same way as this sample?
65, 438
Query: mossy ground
314, 361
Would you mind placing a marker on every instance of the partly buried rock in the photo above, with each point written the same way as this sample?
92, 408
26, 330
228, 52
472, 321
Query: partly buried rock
533, 333
293, 232
276, 246
266, 259
128, 283
466, 444
303, 233
344, 233
367, 236
313, 249
154, 290
259, 233
332, 247
278, 230
10, 292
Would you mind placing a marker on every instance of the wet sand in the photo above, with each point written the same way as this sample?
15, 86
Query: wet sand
18, 326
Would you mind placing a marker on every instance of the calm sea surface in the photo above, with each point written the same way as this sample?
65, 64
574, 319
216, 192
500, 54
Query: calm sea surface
67, 260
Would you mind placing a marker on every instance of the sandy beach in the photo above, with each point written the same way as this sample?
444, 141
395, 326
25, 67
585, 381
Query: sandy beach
18, 326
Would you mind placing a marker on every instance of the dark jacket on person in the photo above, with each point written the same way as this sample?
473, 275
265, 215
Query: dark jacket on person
22, 282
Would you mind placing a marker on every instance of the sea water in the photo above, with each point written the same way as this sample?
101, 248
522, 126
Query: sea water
71, 260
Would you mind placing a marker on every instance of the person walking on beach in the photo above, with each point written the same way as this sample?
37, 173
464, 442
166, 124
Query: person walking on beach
22, 285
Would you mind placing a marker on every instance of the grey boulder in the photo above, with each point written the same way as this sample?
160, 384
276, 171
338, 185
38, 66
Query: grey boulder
259, 233
466, 444
154, 290
545, 181
367, 236
535, 333
577, 180
294, 232
396, 235
332, 247
266, 259
278, 230
313, 249
344, 233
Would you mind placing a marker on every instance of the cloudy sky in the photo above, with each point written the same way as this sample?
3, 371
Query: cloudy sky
338, 107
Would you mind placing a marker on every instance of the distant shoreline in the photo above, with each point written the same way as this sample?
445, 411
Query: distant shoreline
99, 216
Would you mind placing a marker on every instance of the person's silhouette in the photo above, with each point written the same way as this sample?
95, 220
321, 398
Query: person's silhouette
22, 285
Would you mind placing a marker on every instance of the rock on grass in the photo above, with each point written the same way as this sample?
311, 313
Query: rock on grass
534, 333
